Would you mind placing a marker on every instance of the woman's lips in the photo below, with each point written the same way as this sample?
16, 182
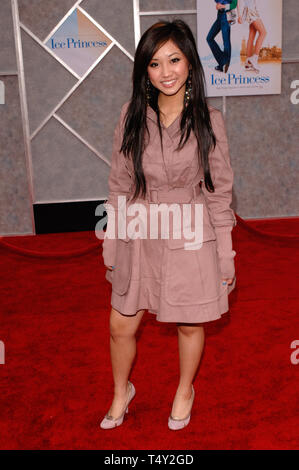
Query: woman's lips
168, 83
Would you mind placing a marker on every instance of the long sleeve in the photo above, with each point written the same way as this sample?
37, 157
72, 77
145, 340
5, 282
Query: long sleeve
119, 183
222, 217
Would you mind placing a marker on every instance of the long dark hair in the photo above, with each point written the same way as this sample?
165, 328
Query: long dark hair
195, 115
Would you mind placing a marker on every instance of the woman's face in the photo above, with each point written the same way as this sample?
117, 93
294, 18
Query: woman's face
168, 69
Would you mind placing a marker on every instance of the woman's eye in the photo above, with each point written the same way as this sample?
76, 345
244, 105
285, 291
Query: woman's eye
174, 60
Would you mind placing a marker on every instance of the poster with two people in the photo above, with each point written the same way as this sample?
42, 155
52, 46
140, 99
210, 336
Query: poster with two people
239, 44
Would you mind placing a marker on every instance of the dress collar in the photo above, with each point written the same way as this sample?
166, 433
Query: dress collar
174, 126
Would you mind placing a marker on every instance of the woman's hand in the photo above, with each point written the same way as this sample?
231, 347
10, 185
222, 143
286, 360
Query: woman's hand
228, 281
219, 6
111, 268
240, 20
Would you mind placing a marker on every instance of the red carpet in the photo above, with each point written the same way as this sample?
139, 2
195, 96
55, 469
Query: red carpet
56, 383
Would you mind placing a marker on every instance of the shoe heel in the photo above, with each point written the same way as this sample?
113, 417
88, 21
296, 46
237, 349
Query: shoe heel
108, 422
175, 424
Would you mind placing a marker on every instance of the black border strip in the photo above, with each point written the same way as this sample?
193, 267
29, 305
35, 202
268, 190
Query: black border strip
66, 216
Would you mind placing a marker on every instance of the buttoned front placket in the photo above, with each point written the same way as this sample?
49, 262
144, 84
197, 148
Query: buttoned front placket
169, 143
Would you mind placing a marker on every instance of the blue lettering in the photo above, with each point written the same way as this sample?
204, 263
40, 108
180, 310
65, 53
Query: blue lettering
69, 42
234, 80
73, 43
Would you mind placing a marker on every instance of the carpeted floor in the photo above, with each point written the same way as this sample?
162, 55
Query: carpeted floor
56, 383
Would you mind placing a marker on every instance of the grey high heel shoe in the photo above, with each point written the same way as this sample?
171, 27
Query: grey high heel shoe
179, 423
109, 422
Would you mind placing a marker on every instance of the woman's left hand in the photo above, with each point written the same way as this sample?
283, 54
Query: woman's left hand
219, 6
228, 281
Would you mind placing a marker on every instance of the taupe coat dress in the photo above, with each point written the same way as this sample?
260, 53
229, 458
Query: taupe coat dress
160, 275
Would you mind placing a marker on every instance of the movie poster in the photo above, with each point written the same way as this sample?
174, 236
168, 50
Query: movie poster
78, 42
239, 44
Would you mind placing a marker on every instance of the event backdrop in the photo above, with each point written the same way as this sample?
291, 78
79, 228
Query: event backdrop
65, 71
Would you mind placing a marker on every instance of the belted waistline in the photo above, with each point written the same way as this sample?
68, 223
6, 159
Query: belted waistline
179, 195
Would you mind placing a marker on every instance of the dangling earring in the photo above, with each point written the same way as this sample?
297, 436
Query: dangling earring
148, 91
187, 96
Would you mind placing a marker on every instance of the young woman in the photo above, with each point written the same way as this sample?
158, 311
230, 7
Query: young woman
170, 149
251, 15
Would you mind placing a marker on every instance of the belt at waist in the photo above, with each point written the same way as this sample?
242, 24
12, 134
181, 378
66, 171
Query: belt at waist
179, 195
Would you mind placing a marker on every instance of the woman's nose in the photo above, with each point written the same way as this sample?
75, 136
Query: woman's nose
166, 71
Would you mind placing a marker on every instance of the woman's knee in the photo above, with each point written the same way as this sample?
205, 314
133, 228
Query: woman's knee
190, 329
263, 32
260, 28
124, 326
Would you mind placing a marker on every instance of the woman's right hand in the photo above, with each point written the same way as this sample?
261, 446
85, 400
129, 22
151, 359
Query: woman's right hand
110, 268
240, 20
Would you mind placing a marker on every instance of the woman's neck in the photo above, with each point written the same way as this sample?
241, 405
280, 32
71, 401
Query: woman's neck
170, 105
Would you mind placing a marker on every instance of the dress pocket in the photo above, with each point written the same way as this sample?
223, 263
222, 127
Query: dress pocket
208, 232
192, 276
121, 274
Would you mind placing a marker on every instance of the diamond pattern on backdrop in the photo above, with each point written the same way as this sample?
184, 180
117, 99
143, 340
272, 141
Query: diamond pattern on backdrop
82, 46
47, 82
64, 168
78, 42
89, 110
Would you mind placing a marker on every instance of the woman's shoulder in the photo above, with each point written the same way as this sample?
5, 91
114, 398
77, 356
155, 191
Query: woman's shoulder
122, 114
216, 117
124, 108
214, 112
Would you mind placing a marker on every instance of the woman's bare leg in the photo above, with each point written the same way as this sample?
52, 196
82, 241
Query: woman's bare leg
260, 28
191, 342
122, 352
252, 32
